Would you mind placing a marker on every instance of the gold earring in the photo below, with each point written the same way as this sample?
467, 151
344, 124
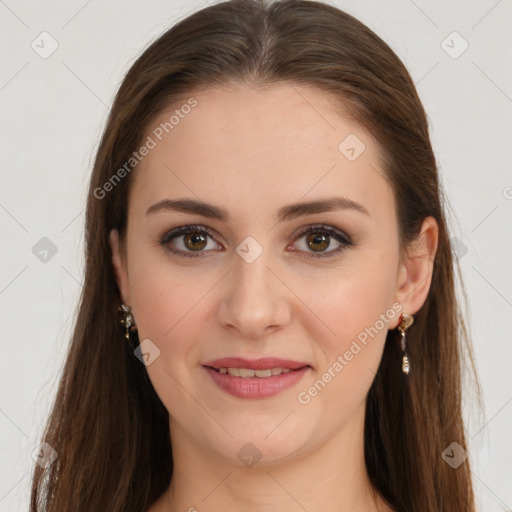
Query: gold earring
127, 319
405, 322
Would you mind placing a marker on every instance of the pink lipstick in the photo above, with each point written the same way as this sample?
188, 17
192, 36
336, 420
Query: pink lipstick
256, 379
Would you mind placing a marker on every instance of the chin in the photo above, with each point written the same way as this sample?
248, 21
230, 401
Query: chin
263, 443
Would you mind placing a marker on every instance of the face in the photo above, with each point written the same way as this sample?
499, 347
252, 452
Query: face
255, 278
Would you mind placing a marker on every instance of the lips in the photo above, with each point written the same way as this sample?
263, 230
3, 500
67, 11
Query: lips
256, 379
266, 363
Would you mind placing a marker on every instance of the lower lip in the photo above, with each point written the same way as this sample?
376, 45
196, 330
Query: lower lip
256, 387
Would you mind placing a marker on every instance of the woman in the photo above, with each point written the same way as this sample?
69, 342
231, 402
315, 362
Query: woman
265, 215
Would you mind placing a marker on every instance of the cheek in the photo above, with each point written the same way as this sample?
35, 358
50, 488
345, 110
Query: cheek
167, 303
162, 292
164, 304
356, 309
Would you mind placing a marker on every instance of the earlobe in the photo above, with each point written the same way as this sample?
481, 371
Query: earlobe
119, 265
415, 275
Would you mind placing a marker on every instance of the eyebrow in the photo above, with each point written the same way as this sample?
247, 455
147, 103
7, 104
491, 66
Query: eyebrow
286, 213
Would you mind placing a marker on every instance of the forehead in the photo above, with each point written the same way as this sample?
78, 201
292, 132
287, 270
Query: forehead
251, 146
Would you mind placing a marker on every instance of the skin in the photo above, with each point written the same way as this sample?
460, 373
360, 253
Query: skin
253, 150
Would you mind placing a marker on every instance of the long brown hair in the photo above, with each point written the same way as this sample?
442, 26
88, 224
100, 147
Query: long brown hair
107, 424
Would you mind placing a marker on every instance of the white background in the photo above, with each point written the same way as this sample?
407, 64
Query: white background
53, 111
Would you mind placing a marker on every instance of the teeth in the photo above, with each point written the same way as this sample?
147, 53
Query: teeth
263, 373
249, 372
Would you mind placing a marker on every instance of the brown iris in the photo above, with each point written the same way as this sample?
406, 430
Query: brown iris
316, 238
192, 239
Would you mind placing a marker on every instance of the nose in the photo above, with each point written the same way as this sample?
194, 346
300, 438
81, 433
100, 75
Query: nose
255, 300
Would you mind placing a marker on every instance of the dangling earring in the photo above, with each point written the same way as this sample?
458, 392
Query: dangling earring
405, 322
127, 320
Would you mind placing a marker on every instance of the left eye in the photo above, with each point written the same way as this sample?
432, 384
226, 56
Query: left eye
194, 241
318, 239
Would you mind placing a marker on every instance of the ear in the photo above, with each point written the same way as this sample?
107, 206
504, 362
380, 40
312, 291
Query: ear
415, 273
119, 262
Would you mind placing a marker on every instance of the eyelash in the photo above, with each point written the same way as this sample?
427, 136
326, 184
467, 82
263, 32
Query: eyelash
340, 237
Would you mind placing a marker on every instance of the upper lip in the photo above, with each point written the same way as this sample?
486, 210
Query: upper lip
256, 364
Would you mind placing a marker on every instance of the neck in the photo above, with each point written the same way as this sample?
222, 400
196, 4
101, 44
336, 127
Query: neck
330, 477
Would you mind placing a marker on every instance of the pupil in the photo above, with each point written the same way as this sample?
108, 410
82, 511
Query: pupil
318, 239
194, 238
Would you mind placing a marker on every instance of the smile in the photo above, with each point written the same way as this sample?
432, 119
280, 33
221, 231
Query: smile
242, 381
249, 372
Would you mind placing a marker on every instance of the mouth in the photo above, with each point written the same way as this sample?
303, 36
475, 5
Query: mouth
246, 373
261, 368
255, 379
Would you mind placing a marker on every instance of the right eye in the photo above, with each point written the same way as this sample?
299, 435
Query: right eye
192, 238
